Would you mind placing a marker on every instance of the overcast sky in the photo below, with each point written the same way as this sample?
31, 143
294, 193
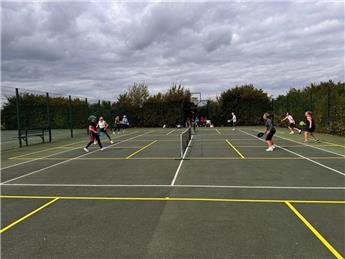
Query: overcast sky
100, 48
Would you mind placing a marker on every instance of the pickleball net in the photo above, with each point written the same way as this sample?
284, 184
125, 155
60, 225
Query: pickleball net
185, 138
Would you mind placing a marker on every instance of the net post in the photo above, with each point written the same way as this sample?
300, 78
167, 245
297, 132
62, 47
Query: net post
18, 118
181, 145
70, 115
49, 118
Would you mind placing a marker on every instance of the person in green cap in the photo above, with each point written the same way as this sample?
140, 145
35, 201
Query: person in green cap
93, 133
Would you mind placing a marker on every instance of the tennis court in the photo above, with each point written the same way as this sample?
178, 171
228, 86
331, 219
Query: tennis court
227, 197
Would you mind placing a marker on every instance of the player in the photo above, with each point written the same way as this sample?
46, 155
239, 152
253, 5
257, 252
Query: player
103, 126
269, 132
233, 120
125, 122
309, 127
117, 124
291, 124
93, 133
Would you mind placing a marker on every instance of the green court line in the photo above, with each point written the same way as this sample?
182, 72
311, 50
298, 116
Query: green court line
314, 231
172, 199
28, 215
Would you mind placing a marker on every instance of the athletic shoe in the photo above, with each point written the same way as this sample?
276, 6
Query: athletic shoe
291, 133
86, 150
94, 142
270, 149
300, 131
111, 142
233, 129
273, 146
102, 149
113, 133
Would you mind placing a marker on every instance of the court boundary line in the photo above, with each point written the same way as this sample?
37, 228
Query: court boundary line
141, 149
28, 215
218, 132
306, 158
173, 199
341, 188
305, 144
71, 159
234, 148
191, 158
314, 231
61, 152
181, 162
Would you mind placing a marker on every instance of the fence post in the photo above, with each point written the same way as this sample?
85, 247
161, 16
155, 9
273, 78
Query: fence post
18, 118
328, 106
49, 118
87, 124
70, 115
272, 109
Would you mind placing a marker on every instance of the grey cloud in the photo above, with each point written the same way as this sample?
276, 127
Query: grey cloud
75, 47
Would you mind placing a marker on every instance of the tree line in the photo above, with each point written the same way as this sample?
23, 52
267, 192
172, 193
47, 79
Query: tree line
326, 100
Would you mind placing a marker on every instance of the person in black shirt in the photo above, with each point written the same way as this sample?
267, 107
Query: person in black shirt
309, 127
269, 132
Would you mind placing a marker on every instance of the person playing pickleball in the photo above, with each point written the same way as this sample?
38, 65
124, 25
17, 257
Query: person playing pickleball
103, 126
269, 132
93, 133
291, 124
309, 127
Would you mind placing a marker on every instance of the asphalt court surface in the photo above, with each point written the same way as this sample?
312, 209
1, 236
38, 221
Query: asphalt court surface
228, 198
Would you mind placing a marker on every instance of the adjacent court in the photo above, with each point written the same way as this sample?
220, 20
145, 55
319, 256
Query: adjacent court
225, 198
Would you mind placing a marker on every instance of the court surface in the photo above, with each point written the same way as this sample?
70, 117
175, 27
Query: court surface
228, 198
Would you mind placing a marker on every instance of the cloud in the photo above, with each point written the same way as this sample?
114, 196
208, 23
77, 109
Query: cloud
100, 48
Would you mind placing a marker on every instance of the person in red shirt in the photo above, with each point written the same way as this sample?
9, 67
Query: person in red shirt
93, 133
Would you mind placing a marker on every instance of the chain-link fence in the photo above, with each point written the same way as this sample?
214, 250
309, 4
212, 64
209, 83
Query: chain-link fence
326, 102
37, 116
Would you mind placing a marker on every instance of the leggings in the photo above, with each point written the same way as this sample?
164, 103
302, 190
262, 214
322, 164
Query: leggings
94, 137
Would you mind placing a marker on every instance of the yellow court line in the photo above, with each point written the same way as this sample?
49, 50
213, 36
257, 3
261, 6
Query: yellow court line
218, 132
333, 144
28, 215
171, 132
237, 151
141, 149
47, 149
315, 232
171, 199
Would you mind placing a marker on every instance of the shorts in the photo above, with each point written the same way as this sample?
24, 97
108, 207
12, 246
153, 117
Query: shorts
93, 137
292, 125
311, 130
270, 135
102, 130
234, 123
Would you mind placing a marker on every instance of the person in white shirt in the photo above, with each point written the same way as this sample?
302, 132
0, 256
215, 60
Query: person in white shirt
103, 126
233, 120
124, 122
291, 124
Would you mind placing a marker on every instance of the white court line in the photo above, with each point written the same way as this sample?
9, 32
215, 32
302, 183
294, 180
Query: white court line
181, 186
325, 150
74, 158
294, 153
171, 132
181, 162
58, 153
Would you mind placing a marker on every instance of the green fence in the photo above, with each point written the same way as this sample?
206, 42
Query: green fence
326, 101
59, 116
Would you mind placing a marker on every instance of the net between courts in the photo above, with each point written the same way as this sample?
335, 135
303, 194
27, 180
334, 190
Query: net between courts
185, 137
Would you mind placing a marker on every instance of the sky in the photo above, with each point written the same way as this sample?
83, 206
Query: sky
98, 49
